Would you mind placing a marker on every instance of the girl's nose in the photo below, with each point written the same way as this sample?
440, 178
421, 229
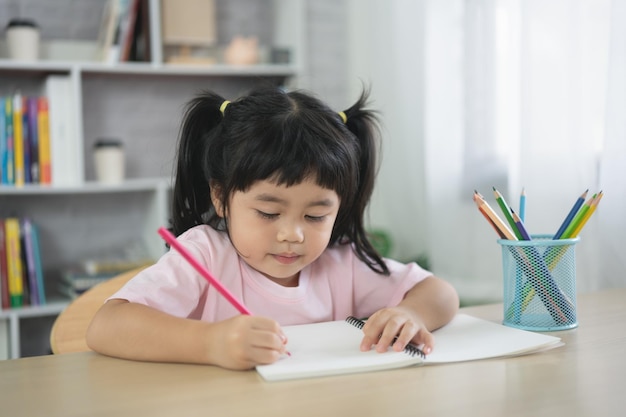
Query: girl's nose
290, 232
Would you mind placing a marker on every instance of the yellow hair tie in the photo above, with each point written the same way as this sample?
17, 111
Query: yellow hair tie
343, 117
223, 106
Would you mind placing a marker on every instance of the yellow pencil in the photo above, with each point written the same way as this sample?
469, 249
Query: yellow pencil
592, 208
569, 231
556, 253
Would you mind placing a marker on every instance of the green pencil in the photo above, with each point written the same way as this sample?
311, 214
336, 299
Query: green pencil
577, 219
507, 213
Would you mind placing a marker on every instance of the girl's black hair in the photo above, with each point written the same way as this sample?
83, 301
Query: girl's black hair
283, 136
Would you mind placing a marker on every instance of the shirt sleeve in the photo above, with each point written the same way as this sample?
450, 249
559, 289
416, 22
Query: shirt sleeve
170, 285
374, 291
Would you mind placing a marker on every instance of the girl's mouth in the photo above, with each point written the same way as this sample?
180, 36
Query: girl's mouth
287, 258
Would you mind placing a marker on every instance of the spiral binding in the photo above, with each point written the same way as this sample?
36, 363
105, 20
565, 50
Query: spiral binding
412, 350
355, 322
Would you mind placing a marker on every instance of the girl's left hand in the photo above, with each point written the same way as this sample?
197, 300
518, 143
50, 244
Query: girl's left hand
399, 323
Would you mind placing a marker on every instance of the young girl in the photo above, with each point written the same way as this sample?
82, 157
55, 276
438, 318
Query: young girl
270, 195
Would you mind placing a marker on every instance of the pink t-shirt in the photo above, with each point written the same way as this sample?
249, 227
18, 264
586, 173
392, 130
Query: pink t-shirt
336, 285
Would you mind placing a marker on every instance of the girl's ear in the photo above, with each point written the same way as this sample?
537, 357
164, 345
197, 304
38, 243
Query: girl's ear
216, 198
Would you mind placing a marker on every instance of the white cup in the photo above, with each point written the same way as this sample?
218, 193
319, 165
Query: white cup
23, 39
109, 161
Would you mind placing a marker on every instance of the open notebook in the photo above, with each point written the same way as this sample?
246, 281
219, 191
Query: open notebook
332, 348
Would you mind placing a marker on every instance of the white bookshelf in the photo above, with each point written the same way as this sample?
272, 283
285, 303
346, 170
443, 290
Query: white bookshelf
10, 324
140, 103
78, 222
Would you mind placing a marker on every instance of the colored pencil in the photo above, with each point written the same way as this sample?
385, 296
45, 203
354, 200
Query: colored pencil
539, 277
568, 233
507, 212
169, 238
554, 254
530, 292
482, 210
570, 216
522, 205
558, 305
521, 293
497, 221
592, 208
520, 226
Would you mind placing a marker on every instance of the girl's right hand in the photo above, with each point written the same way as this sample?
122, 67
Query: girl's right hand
242, 342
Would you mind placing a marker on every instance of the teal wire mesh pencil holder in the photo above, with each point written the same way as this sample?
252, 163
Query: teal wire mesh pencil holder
539, 283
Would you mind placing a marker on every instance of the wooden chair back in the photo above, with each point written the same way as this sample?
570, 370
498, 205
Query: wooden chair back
70, 327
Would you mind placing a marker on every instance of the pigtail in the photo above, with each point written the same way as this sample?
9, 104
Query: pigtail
191, 202
363, 124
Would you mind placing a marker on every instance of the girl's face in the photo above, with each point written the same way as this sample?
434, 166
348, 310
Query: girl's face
279, 230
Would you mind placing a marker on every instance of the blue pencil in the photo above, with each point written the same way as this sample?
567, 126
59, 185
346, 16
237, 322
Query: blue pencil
522, 205
520, 226
579, 202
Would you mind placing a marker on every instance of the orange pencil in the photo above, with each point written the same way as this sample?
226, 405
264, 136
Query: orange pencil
491, 222
497, 221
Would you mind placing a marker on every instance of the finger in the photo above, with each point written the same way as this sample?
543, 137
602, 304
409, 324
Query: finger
261, 356
406, 334
372, 330
425, 339
390, 332
367, 343
267, 340
247, 341
263, 348
267, 324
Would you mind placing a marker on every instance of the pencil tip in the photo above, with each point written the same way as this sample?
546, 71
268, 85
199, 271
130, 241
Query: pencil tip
494, 188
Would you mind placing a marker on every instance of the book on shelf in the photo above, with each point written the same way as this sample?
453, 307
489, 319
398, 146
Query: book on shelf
117, 28
3, 142
43, 129
114, 265
65, 148
75, 282
78, 279
33, 263
26, 287
5, 301
127, 29
108, 27
25, 140
124, 31
113, 49
8, 154
31, 124
18, 140
22, 283
140, 46
333, 348
41, 288
14, 261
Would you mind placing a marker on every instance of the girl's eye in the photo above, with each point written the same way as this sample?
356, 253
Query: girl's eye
316, 218
266, 215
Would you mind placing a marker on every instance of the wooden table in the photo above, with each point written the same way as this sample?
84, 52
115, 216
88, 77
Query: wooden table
586, 377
